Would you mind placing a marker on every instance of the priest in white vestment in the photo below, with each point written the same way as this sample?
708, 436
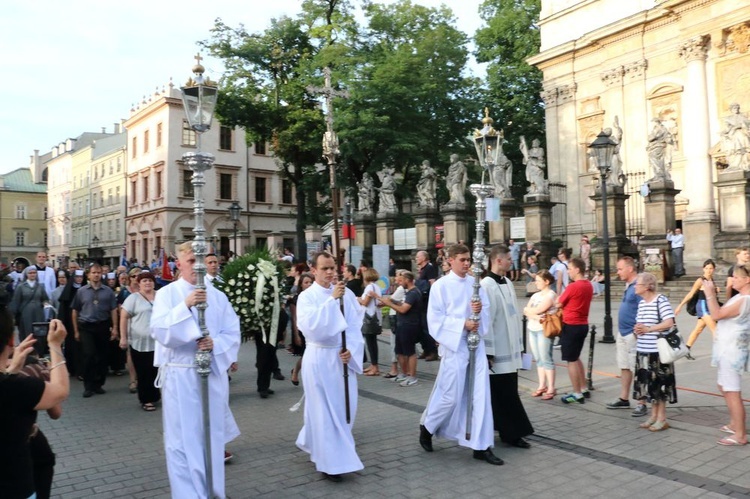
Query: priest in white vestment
326, 435
174, 326
448, 313
504, 344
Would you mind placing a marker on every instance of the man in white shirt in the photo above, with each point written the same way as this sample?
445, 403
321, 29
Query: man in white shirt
677, 243
45, 275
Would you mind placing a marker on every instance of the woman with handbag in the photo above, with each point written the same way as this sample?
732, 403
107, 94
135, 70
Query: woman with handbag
696, 305
372, 322
654, 381
731, 347
542, 302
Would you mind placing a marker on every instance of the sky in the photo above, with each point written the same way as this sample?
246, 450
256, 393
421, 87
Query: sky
79, 65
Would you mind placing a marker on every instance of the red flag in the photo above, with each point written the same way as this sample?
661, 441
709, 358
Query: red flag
166, 272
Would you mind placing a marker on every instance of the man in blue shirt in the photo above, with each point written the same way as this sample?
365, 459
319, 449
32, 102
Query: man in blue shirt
627, 271
515, 257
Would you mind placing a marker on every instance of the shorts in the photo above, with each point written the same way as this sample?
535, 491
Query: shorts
406, 339
572, 340
516, 265
626, 351
727, 378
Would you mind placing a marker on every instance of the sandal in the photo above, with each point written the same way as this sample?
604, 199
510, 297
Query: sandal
539, 392
133, 387
390, 375
726, 429
148, 407
659, 426
372, 373
549, 395
729, 441
647, 424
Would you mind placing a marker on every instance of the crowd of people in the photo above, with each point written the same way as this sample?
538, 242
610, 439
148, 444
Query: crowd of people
109, 323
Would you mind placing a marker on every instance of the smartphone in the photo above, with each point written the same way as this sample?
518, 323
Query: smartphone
40, 328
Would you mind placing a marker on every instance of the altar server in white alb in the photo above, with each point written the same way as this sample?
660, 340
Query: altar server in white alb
326, 436
448, 313
174, 326
504, 343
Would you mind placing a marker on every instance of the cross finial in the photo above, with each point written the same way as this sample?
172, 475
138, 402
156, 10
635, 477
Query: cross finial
198, 58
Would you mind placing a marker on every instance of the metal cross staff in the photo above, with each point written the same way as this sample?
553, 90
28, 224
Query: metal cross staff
330, 152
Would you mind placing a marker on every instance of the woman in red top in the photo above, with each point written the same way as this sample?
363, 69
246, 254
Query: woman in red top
575, 302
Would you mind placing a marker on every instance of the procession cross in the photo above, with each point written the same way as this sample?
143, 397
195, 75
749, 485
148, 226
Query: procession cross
330, 151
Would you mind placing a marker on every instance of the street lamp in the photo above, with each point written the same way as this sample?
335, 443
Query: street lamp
199, 99
234, 216
604, 148
95, 242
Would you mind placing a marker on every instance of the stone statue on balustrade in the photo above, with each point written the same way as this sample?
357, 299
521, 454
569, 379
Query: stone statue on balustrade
660, 142
735, 138
616, 176
534, 160
427, 186
366, 195
502, 173
387, 192
455, 181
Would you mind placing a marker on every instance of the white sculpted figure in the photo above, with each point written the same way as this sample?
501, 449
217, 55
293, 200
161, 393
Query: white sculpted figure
616, 176
426, 186
534, 160
455, 181
660, 151
736, 139
502, 173
366, 194
387, 192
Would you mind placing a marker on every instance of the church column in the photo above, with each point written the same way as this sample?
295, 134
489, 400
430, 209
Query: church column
701, 222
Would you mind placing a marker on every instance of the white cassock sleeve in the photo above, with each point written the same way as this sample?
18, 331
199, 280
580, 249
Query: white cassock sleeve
448, 310
172, 323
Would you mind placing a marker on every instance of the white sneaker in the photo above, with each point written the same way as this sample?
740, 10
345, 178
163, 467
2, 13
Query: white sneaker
409, 381
400, 377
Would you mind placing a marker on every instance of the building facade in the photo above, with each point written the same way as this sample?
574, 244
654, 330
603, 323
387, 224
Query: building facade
613, 64
160, 193
23, 213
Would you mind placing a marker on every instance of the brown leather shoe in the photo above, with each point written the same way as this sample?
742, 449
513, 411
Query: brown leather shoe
431, 357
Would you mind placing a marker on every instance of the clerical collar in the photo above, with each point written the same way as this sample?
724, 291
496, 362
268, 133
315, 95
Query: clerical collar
43, 268
498, 278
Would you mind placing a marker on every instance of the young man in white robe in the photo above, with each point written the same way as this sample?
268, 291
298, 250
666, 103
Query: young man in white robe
326, 435
174, 326
448, 313
504, 344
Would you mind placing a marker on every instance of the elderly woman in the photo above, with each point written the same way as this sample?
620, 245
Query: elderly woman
28, 304
135, 332
731, 346
62, 280
654, 381
20, 398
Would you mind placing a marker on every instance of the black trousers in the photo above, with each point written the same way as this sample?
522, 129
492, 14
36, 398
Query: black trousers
509, 415
117, 356
371, 341
428, 342
143, 362
95, 349
266, 362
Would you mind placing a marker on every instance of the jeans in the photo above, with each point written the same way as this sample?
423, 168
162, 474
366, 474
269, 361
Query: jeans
679, 269
541, 349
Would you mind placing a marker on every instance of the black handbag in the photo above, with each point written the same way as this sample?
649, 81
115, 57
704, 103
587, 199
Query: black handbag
371, 325
692, 304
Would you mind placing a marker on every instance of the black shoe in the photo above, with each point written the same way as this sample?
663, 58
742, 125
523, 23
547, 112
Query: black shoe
333, 478
87, 394
521, 443
278, 376
264, 394
270, 392
487, 455
425, 438
586, 394
99, 390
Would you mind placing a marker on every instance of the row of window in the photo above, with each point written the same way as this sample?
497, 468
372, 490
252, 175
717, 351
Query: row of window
226, 188
226, 136
21, 212
112, 233
21, 238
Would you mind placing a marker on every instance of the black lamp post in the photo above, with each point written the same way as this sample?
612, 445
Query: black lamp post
234, 216
603, 149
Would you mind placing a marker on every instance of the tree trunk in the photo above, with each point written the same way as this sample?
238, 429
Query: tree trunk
301, 253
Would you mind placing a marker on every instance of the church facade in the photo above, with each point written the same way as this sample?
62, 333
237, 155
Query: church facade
683, 65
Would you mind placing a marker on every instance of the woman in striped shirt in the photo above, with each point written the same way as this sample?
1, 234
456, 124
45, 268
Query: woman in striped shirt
654, 381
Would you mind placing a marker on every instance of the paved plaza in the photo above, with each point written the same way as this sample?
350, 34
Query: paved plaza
108, 447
